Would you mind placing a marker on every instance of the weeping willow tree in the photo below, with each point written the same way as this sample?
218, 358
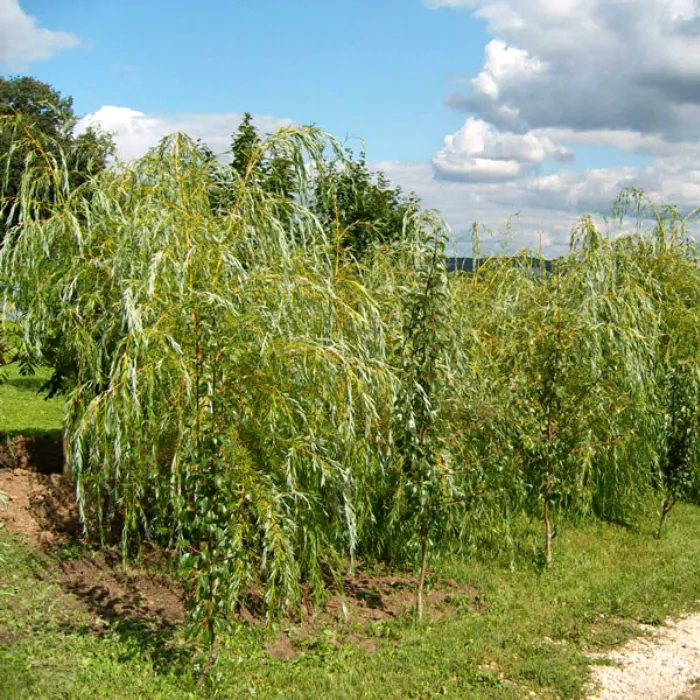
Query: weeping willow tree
245, 389
669, 259
228, 376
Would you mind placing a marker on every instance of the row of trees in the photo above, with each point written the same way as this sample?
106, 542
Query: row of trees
273, 380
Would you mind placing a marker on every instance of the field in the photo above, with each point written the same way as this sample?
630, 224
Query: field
22, 412
505, 629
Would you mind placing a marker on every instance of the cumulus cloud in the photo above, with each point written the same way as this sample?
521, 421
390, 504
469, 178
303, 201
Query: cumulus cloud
588, 65
23, 41
135, 132
544, 207
478, 153
558, 74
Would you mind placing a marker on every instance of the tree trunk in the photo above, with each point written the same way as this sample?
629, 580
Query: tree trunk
209, 664
423, 566
666, 507
548, 522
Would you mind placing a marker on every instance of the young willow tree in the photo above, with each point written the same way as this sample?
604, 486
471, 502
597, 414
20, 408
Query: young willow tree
669, 260
425, 488
559, 369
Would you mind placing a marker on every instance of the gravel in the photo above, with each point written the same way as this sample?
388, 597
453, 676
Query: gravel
663, 665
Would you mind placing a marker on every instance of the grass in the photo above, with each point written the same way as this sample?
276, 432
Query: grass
25, 412
529, 632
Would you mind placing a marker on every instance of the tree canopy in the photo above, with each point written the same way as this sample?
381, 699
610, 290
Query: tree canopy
40, 129
272, 373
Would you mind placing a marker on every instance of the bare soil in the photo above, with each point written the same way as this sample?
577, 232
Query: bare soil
41, 507
110, 589
40, 454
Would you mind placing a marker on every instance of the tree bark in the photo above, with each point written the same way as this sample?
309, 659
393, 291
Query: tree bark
666, 507
548, 522
209, 664
423, 566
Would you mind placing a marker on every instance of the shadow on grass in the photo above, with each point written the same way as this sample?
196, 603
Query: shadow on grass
140, 635
119, 611
29, 383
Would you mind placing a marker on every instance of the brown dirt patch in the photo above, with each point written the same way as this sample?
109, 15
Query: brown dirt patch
282, 648
40, 454
111, 590
41, 507
380, 598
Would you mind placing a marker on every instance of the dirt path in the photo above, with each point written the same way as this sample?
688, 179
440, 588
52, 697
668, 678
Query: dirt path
661, 666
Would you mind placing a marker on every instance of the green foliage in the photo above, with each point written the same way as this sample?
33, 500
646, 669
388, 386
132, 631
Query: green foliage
270, 371
359, 207
244, 147
224, 371
424, 485
36, 133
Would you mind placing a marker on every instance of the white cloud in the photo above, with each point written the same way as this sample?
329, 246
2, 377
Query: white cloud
23, 42
478, 153
547, 206
629, 65
502, 65
619, 74
135, 132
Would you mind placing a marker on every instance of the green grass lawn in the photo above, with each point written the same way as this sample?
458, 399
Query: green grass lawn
22, 410
528, 634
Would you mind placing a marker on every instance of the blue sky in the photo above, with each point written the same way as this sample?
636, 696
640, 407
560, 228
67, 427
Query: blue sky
379, 69
483, 107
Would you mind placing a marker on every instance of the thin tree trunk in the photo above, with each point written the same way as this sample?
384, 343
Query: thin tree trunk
666, 507
423, 567
65, 469
548, 522
209, 664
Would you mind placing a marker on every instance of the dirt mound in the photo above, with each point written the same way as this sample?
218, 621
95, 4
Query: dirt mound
41, 507
377, 598
40, 454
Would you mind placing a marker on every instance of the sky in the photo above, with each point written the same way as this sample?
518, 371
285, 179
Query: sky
519, 114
